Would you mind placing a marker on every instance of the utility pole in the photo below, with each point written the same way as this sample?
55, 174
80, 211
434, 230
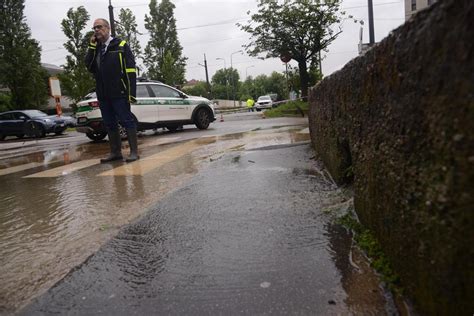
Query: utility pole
232, 77
320, 63
225, 77
371, 23
111, 18
207, 78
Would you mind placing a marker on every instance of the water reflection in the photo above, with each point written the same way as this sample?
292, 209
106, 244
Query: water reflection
365, 296
49, 225
127, 188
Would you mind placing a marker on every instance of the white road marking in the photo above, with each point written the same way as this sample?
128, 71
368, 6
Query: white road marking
19, 168
65, 170
145, 165
157, 142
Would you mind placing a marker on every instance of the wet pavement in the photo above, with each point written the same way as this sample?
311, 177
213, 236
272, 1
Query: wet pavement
229, 220
252, 233
58, 205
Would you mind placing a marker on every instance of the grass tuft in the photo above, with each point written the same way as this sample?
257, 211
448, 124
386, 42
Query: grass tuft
369, 244
292, 108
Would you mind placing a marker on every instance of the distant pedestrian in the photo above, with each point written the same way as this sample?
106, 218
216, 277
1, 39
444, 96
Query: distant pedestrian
112, 63
250, 104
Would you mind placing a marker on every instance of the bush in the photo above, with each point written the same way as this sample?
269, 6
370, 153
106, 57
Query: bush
5, 102
292, 108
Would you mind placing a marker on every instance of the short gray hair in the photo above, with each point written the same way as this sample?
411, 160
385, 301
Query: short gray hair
104, 21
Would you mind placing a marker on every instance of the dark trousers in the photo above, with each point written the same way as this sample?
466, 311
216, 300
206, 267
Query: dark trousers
114, 111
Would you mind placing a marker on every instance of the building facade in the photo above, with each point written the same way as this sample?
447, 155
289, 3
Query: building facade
413, 6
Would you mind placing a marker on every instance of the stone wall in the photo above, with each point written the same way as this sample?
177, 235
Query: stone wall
398, 123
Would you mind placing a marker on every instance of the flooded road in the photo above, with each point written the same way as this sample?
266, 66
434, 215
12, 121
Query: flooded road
59, 205
251, 233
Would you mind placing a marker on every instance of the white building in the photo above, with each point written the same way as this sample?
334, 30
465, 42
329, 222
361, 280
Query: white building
413, 6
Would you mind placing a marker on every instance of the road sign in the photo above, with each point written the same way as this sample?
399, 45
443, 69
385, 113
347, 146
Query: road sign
55, 89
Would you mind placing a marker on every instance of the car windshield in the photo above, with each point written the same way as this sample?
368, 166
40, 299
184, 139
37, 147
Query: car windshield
91, 95
264, 98
35, 113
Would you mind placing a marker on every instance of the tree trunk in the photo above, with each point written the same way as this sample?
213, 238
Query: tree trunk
304, 78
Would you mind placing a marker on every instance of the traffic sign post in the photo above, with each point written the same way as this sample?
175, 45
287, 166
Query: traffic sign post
56, 93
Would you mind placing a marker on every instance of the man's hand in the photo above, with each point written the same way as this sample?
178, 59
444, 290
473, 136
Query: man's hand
93, 39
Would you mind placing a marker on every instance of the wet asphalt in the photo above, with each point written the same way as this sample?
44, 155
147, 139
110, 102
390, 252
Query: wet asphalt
253, 234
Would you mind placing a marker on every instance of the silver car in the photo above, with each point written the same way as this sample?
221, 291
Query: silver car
264, 102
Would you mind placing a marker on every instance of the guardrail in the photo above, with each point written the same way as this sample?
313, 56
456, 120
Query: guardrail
245, 108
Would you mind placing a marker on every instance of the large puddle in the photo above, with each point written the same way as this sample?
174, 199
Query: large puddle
58, 207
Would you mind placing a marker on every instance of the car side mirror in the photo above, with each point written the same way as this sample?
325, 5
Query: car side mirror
183, 96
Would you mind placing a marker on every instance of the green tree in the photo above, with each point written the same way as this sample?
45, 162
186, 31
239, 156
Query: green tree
220, 92
199, 89
168, 70
261, 85
221, 77
164, 52
5, 102
127, 29
294, 79
76, 80
298, 29
20, 59
247, 89
277, 84
222, 83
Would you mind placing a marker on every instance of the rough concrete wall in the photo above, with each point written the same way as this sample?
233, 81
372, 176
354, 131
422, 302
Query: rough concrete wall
399, 123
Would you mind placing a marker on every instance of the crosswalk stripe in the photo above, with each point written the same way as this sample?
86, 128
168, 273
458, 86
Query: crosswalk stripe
65, 170
145, 165
19, 168
161, 141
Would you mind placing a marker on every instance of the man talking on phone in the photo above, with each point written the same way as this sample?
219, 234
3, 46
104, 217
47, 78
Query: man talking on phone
112, 63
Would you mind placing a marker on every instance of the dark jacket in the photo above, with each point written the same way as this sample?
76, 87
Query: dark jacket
114, 73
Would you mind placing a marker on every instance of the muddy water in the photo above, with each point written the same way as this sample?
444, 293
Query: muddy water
58, 207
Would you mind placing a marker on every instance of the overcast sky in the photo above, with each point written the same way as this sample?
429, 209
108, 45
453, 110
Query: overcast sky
208, 27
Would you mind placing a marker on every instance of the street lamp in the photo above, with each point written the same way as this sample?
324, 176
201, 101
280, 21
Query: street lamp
111, 18
371, 22
225, 76
246, 71
223, 60
232, 77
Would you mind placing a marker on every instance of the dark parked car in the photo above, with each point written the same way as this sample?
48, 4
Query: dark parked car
30, 123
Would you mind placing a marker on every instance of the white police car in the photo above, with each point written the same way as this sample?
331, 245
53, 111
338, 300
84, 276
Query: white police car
158, 105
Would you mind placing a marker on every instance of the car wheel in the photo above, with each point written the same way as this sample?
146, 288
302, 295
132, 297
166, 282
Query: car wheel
2, 136
202, 119
36, 130
96, 135
174, 128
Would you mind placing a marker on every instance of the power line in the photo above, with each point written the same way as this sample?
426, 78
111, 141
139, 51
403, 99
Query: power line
211, 24
214, 41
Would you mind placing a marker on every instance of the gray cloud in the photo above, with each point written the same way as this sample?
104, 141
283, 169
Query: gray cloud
208, 27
